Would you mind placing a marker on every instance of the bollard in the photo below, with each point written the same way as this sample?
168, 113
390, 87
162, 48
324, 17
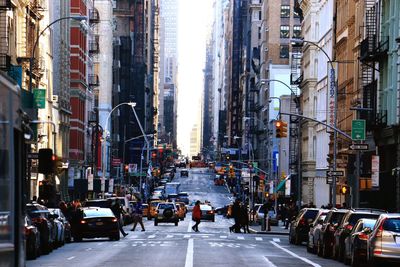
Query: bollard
264, 223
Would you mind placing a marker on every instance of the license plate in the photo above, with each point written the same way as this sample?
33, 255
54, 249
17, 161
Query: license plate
398, 239
99, 223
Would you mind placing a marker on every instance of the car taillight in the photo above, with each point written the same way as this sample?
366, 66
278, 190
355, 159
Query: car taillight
302, 221
27, 231
83, 221
37, 220
114, 220
210, 212
349, 227
363, 236
380, 229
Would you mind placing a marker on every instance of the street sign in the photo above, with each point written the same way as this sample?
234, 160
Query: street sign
359, 147
33, 155
329, 180
335, 173
39, 98
116, 162
358, 129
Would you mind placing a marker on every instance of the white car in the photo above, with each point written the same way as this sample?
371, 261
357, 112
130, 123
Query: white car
166, 212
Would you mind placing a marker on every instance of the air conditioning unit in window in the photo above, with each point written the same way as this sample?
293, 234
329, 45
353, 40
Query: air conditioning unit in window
55, 99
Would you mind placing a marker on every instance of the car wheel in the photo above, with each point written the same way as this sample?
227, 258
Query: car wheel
213, 219
309, 250
77, 239
319, 250
297, 240
176, 223
117, 237
155, 222
354, 260
325, 252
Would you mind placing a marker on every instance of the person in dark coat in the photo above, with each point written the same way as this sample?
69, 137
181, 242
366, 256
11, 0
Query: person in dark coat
244, 218
118, 211
236, 217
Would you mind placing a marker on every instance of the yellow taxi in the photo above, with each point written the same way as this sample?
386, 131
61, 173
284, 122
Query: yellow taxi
181, 210
152, 209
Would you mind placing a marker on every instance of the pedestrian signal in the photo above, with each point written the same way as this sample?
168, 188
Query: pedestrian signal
280, 129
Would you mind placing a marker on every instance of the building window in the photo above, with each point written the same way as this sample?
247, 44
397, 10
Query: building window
285, 11
259, 32
259, 15
296, 31
285, 31
284, 51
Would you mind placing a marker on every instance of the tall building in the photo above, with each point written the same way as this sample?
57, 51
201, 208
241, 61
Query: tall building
195, 134
168, 73
208, 103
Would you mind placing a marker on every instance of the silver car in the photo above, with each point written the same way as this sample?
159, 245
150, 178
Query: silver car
384, 241
315, 231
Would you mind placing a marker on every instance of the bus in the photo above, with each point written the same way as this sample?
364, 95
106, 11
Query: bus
12, 174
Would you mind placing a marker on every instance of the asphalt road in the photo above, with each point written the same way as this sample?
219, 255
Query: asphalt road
168, 245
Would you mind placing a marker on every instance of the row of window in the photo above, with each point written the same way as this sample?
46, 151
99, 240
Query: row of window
285, 31
285, 12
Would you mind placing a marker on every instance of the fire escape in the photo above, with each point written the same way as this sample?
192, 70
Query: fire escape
296, 78
94, 47
373, 50
5, 58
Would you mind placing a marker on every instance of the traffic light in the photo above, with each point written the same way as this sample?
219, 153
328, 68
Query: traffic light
46, 161
126, 167
344, 189
280, 129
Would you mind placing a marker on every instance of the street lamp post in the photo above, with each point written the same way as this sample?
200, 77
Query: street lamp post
333, 85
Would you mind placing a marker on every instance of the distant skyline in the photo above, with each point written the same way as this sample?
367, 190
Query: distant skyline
195, 18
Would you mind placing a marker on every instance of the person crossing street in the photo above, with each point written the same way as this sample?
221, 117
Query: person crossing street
138, 215
196, 216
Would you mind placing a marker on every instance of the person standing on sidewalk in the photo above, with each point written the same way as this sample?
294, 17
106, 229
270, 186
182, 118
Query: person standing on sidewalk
196, 216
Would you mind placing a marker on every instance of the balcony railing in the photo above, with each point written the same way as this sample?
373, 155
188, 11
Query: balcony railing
5, 62
93, 80
94, 47
373, 50
94, 16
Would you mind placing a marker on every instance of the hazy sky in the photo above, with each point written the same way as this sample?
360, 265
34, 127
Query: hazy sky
195, 18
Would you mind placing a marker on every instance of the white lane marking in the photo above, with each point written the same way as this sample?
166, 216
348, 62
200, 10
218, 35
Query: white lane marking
240, 237
70, 258
186, 236
270, 264
189, 229
276, 240
99, 244
189, 254
205, 236
295, 255
151, 236
259, 239
88, 249
223, 236
169, 236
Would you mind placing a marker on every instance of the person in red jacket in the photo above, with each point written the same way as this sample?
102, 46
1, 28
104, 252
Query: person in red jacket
196, 216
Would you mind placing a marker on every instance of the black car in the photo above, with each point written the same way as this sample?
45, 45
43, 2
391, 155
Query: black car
95, 222
41, 218
325, 243
183, 197
346, 225
32, 239
300, 226
356, 242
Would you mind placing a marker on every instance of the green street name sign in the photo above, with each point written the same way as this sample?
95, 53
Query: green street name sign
39, 98
358, 130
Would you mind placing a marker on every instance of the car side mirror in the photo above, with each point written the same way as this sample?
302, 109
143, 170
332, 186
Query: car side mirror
320, 221
367, 230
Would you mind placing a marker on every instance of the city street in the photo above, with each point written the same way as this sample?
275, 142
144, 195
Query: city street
169, 245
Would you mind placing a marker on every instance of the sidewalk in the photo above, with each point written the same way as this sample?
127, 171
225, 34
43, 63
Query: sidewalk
275, 230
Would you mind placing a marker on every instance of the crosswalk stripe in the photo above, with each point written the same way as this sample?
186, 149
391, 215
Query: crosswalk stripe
259, 239
170, 236
223, 236
240, 237
151, 236
186, 236
276, 240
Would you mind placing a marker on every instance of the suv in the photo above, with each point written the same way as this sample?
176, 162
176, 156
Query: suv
346, 225
384, 241
326, 240
300, 226
166, 212
184, 173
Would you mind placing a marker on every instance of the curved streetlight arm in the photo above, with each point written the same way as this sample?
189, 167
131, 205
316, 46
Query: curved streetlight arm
301, 41
79, 18
279, 81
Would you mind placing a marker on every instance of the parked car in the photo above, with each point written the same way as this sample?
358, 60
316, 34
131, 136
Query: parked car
166, 212
67, 226
96, 222
183, 197
346, 225
356, 242
384, 241
59, 239
40, 217
207, 212
32, 239
315, 230
300, 226
184, 172
259, 213
326, 240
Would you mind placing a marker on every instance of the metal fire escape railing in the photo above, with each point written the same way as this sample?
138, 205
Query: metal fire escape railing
373, 49
294, 123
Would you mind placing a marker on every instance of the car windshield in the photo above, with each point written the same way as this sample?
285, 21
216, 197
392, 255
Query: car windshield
310, 214
336, 217
154, 204
90, 213
183, 194
356, 216
100, 204
205, 207
166, 206
369, 223
38, 213
392, 224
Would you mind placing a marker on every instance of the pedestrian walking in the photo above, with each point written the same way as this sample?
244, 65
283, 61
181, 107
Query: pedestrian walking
118, 211
196, 216
138, 215
244, 218
236, 216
